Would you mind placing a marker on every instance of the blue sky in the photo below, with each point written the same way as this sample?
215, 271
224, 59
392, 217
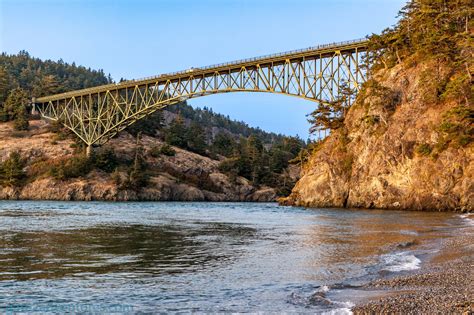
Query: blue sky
134, 39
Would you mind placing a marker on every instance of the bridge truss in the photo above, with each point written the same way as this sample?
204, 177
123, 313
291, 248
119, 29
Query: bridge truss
317, 74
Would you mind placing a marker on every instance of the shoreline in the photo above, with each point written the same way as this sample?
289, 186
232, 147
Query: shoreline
443, 284
277, 201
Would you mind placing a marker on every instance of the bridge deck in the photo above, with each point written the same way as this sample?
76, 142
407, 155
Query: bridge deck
311, 52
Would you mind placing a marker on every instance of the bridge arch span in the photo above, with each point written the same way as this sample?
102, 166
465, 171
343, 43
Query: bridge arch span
316, 74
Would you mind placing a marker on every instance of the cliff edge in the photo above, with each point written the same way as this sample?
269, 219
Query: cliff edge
397, 149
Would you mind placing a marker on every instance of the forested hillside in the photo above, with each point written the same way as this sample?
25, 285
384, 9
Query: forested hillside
23, 76
260, 157
42, 77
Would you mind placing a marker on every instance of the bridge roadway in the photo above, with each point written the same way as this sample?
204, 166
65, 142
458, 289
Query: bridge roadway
316, 73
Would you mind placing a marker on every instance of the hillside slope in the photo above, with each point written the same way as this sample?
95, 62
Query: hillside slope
186, 176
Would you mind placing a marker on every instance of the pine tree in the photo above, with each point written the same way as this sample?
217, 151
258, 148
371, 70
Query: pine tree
14, 108
330, 115
21, 118
176, 133
196, 138
4, 86
223, 144
137, 175
255, 152
11, 171
46, 85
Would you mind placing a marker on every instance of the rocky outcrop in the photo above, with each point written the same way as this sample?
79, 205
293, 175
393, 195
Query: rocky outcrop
98, 187
171, 178
390, 153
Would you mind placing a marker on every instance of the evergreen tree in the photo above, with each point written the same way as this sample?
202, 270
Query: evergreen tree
176, 133
4, 85
255, 152
223, 144
40, 78
148, 125
427, 29
14, 108
21, 118
46, 85
279, 159
137, 175
11, 171
330, 115
196, 138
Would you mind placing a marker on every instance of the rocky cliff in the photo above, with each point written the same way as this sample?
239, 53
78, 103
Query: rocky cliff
398, 149
172, 177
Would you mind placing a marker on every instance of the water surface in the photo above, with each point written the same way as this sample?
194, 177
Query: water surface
208, 257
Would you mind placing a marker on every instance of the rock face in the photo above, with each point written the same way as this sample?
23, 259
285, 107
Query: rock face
170, 179
374, 161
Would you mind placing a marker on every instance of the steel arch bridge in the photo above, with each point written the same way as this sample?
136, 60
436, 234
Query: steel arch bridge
317, 73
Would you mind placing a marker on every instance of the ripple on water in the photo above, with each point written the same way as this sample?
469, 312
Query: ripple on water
208, 257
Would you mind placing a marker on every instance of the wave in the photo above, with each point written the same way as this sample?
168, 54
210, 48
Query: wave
346, 310
401, 261
320, 300
467, 218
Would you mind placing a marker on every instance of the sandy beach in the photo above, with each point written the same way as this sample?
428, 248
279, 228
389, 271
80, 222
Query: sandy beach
443, 285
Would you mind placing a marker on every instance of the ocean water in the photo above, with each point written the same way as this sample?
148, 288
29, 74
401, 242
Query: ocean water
203, 257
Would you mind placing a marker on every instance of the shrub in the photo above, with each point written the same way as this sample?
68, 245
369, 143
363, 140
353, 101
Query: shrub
457, 88
456, 128
229, 165
105, 160
135, 179
21, 122
38, 167
165, 149
204, 181
73, 167
347, 163
117, 177
155, 151
138, 175
424, 149
371, 119
381, 96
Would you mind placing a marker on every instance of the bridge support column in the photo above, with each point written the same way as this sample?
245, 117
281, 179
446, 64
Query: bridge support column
89, 151
34, 112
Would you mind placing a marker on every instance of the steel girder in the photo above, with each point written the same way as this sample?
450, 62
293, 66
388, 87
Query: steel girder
97, 114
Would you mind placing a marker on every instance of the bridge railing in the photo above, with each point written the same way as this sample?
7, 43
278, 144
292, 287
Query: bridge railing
230, 63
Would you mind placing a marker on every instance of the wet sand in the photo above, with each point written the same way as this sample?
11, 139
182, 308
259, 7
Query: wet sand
443, 285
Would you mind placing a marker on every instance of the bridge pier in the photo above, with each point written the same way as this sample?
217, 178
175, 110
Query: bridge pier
89, 151
34, 112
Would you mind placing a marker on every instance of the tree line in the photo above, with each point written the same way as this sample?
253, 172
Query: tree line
260, 157
23, 76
